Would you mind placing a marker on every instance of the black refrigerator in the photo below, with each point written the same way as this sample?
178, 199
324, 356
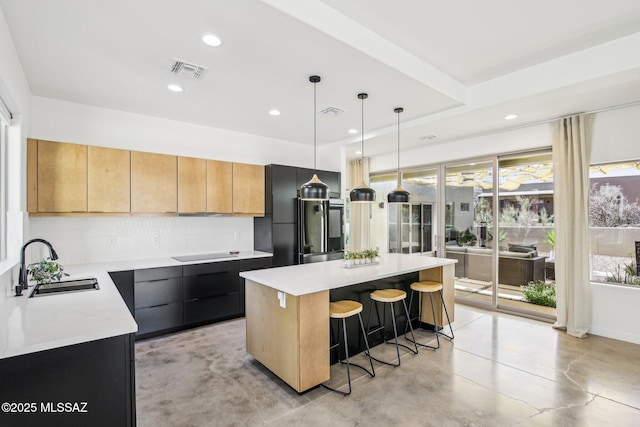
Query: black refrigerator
320, 230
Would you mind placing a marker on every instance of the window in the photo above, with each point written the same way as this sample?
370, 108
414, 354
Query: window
10, 220
614, 217
3, 189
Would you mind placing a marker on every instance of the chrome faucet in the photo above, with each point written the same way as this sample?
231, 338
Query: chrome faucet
22, 280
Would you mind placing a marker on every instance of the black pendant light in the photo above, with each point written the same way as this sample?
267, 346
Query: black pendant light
314, 189
362, 193
399, 195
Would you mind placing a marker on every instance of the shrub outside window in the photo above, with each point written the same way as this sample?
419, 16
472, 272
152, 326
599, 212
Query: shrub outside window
614, 217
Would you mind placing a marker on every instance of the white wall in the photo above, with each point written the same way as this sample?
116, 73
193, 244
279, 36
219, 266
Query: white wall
16, 93
616, 135
615, 312
82, 124
97, 239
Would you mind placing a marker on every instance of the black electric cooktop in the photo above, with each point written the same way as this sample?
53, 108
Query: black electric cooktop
202, 257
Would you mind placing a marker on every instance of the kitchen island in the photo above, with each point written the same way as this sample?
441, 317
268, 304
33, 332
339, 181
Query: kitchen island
287, 308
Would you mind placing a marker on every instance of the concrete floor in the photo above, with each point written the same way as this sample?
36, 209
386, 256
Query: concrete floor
500, 370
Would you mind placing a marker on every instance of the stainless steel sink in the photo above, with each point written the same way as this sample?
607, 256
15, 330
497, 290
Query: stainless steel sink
65, 286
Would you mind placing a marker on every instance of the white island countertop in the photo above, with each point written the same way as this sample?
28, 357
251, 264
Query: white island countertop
305, 279
28, 325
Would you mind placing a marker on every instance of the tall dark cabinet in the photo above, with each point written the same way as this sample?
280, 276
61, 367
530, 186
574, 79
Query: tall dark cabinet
276, 232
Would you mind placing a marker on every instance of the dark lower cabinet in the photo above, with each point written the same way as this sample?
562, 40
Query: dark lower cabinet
159, 318
158, 299
168, 299
211, 292
206, 310
87, 384
158, 292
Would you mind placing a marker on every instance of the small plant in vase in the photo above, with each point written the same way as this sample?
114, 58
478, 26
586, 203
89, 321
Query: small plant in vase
367, 256
349, 258
372, 254
45, 271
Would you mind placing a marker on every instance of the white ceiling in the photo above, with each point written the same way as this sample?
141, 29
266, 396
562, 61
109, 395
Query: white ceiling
457, 68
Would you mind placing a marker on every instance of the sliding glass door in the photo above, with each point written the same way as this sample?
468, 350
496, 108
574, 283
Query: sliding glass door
525, 235
494, 216
468, 223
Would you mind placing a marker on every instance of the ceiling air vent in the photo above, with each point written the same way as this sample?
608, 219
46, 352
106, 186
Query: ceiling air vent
427, 138
187, 70
331, 111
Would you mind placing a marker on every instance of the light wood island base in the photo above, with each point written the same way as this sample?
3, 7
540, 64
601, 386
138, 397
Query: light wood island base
293, 342
444, 275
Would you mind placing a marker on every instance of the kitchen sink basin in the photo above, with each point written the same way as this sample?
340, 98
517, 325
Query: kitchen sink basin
65, 286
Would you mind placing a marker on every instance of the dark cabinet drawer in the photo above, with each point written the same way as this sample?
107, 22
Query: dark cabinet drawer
158, 292
255, 264
211, 284
150, 274
209, 268
153, 319
210, 309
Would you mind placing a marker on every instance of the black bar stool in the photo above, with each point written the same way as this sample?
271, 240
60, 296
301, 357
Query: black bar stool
342, 310
430, 287
390, 296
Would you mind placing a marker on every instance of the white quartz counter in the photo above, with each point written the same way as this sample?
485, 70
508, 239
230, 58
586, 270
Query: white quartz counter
28, 325
321, 276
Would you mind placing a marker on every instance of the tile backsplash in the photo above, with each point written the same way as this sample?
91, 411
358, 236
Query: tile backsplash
80, 240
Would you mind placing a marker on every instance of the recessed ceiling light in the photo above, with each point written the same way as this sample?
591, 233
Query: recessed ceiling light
211, 40
352, 131
274, 112
358, 152
510, 116
175, 88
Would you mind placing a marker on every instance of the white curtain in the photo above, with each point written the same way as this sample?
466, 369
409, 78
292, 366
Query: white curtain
571, 155
359, 218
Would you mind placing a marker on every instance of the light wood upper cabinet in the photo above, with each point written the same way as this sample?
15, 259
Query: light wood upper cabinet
65, 179
192, 185
248, 189
219, 187
154, 183
62, 177
108, 180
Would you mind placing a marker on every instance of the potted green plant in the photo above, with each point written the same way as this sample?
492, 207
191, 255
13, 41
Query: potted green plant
551, 240
45, 271
349, 258
468, 238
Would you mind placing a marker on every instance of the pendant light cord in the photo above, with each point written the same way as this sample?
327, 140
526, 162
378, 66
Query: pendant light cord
315, 149
362, 141
398, 178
